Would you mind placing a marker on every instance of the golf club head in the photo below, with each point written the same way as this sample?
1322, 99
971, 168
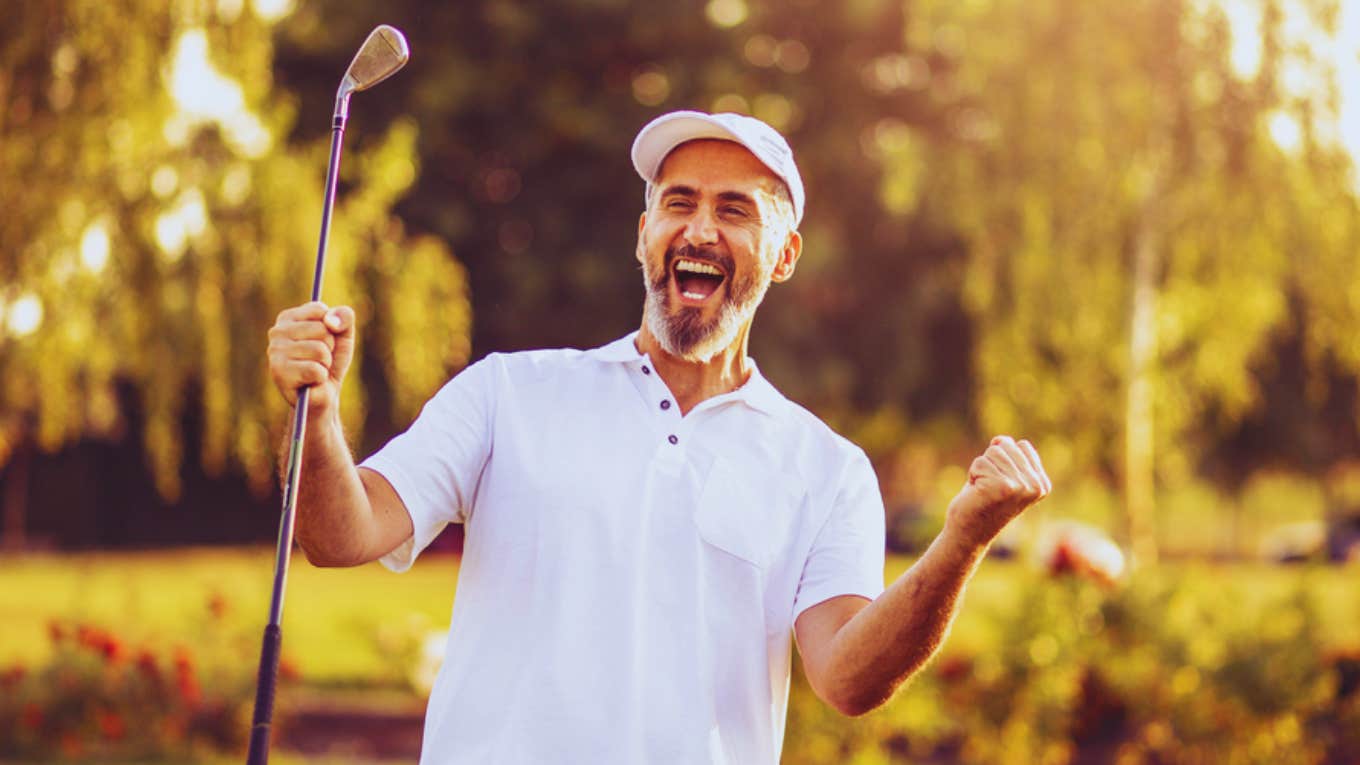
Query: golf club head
383, 53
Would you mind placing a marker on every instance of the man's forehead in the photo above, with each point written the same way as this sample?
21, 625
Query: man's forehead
715, 161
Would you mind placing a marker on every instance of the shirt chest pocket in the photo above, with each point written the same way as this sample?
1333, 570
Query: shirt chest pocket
745, 519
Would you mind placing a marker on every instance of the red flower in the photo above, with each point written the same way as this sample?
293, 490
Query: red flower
112, 649
147, 665
188, 688
185, 681
111, 724
12, 676
1062, 561
101, 642
56, 632
184, 661
32, 716
1075, 549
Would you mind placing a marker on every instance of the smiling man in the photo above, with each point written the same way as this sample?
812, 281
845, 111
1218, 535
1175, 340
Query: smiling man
647, 523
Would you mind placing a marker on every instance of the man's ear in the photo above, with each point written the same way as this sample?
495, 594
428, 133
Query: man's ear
642, 225
788, 257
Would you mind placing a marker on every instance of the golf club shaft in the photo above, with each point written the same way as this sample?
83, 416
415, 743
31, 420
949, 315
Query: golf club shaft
263, 716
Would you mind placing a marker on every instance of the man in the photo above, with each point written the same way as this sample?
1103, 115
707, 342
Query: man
646, 522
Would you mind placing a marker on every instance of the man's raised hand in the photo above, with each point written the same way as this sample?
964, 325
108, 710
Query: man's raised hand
1004, 480
311, 346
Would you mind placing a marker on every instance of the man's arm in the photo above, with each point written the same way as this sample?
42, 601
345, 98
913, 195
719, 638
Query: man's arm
346, 516
857, 653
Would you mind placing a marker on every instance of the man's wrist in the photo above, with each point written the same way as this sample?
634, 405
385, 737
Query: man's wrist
963, 541
321, 409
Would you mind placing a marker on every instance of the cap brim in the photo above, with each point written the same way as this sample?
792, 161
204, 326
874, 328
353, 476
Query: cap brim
669, 131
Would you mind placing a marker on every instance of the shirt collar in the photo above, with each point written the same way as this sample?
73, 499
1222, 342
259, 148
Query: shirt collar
623, 349
757, 393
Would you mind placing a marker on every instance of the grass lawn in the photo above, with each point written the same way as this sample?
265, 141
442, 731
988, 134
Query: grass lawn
346, 627
334, 619
1252, 588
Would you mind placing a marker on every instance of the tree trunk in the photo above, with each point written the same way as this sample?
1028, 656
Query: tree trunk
16, 500
1139, 443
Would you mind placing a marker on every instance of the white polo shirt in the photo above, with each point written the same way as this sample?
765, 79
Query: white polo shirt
630, 577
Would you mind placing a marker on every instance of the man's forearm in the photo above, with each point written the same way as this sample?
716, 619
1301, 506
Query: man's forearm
333, 511
893, 637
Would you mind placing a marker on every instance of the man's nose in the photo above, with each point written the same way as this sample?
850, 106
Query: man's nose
702, 228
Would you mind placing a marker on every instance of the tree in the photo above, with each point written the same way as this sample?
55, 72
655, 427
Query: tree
160, 224
1134, 226
529, 109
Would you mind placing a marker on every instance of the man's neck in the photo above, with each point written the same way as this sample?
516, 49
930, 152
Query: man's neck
693, 382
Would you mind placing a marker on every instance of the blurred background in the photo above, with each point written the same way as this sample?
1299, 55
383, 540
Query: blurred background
1128, 231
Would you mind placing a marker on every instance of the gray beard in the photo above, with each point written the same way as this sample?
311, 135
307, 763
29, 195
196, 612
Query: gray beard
683, 333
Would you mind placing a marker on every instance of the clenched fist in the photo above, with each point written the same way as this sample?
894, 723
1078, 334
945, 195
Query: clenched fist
1002, 482
311, 346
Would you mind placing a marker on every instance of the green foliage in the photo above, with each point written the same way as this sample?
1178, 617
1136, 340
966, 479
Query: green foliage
1174, 667
163, 220
1086, 132
982, 178
99, 700
536, 194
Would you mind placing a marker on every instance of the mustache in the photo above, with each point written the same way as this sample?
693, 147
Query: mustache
710, 255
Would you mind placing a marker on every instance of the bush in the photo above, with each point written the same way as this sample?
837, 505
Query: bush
1173, 667
100, 699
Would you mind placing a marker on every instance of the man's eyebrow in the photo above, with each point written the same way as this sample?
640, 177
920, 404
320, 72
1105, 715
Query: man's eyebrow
736, 196
680, 190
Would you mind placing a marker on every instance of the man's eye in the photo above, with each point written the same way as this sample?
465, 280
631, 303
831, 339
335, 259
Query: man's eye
734, 211
679, 204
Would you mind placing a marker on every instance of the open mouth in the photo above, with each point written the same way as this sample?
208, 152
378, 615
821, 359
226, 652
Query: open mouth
696, 280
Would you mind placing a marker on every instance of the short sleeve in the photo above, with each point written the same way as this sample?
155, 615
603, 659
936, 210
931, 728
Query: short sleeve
847, 555
436, 464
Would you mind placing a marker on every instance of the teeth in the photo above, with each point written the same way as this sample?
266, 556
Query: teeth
697, 268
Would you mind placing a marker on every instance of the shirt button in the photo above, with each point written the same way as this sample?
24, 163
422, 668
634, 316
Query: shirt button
665, 403
646, 370
673, 439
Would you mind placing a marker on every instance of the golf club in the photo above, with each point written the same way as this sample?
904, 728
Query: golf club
383, 53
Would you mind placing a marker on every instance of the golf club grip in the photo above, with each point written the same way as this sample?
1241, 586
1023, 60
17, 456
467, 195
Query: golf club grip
264, 696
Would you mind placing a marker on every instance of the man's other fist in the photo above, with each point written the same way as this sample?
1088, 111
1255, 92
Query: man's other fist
1004, 480
311, 346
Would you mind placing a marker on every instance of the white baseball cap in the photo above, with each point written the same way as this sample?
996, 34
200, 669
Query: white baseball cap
660, 137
